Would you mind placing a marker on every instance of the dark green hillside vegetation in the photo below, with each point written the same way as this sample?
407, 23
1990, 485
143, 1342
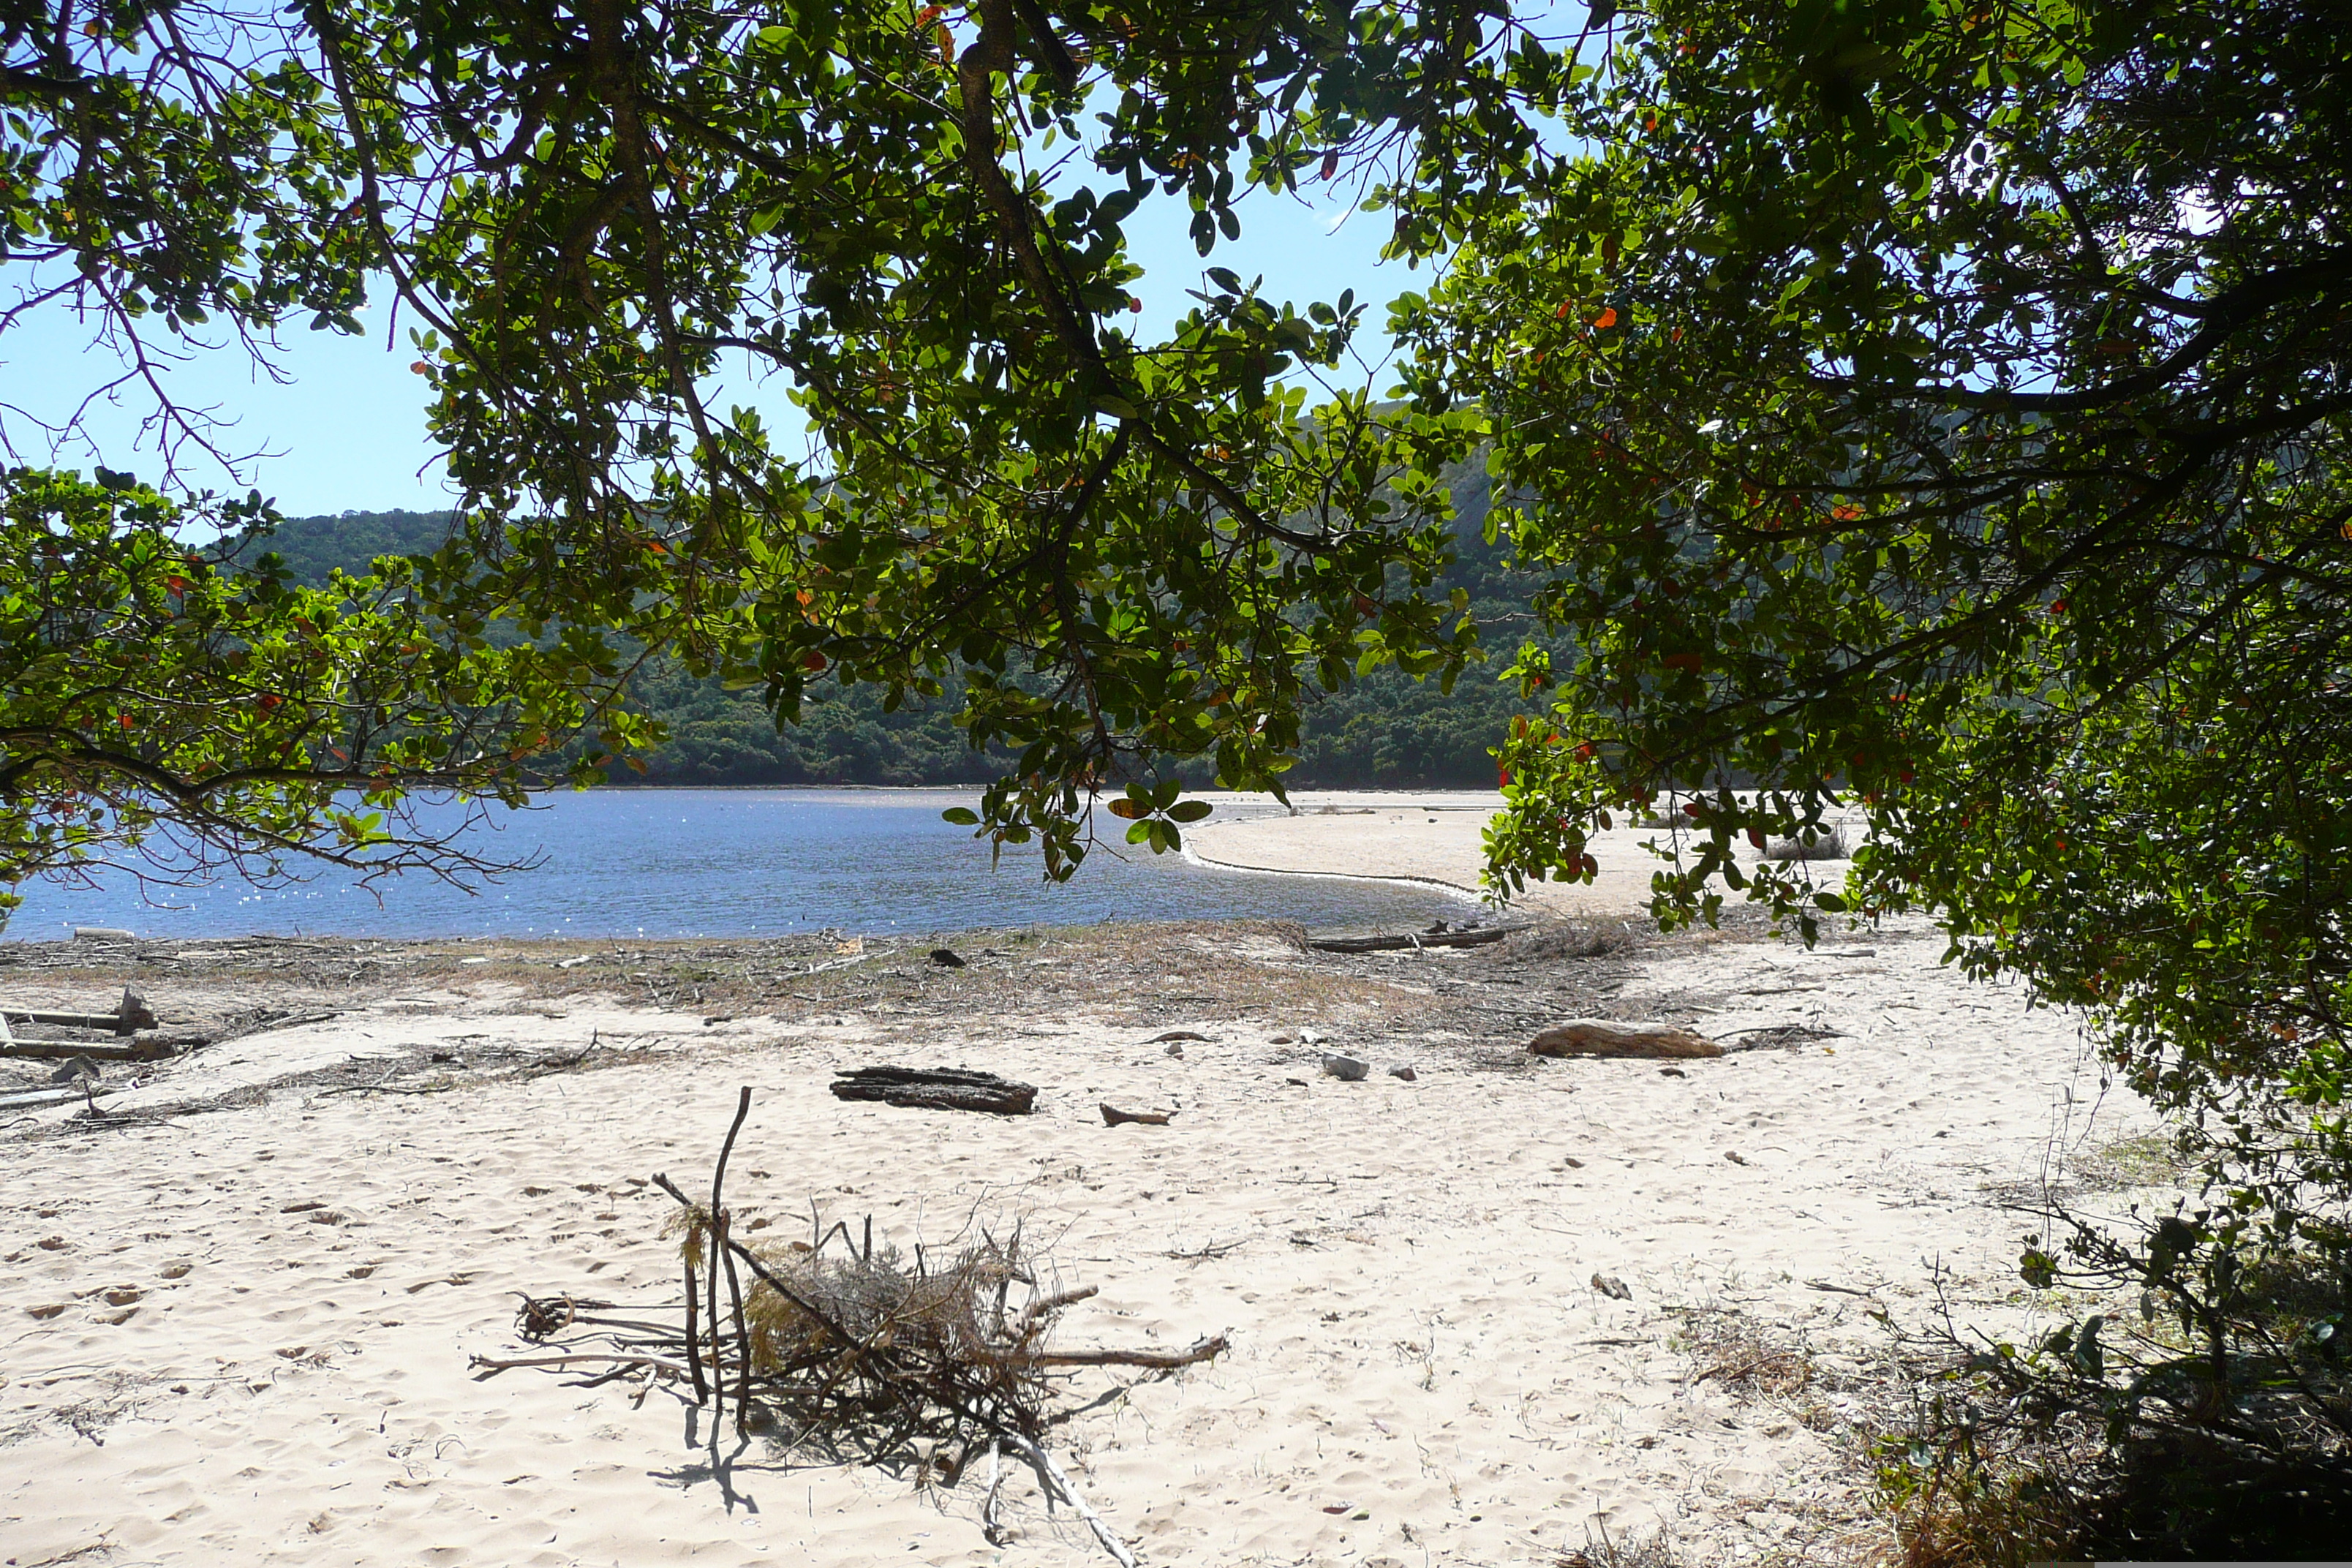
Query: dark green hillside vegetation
314, 549
1382, 731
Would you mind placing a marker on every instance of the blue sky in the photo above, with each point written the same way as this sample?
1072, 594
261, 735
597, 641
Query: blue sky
346, 430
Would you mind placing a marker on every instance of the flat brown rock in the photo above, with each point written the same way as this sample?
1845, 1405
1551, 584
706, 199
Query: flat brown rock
1612, 1038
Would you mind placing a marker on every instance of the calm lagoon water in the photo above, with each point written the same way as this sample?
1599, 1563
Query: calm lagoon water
684, 862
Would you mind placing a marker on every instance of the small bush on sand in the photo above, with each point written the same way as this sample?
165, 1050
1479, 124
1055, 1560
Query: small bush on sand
2206, 1412
1574, 939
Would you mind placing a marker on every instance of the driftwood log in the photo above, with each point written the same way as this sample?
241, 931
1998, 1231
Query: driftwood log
1478, 937
1610, 1038
1113, 1117
131, 1017
937, 1088
151, 1049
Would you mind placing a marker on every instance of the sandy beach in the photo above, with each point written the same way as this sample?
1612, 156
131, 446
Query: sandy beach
1483, 1316
1433, 838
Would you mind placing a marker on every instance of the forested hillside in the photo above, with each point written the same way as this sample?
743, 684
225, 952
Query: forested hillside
1385, 730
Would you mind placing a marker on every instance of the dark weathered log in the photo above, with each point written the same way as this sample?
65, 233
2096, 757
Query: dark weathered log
1477, 937
60, 1050
937, 1088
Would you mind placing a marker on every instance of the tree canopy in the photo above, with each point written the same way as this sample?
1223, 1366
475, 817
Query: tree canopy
1885, 386
1946, 407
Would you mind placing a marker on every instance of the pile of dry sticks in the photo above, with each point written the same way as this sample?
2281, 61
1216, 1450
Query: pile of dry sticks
845, 1349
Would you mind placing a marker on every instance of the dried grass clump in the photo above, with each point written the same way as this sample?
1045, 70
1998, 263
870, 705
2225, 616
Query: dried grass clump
1574, 939
1826, 844
1758, 1368
1751, 1360
951, 1334
1652, 1550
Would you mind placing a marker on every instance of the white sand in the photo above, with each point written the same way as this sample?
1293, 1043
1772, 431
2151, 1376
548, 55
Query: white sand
201, 1371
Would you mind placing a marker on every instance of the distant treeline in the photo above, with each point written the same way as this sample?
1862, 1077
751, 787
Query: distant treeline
1387, 731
